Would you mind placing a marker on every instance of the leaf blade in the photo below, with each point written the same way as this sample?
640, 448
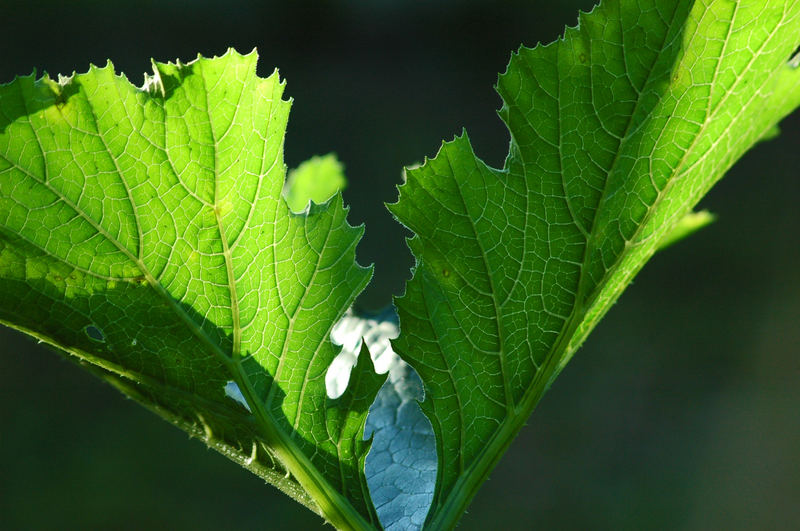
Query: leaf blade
148, 230
617, 130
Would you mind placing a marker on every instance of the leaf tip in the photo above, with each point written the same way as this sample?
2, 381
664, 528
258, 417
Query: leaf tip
688, 225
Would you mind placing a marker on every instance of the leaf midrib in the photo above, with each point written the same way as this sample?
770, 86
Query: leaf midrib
226, 253
501, 352
680, 171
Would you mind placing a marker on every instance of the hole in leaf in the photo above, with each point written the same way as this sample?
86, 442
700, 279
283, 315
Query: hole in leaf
794, 59
376, 330
95, 334
232, 391
348, 334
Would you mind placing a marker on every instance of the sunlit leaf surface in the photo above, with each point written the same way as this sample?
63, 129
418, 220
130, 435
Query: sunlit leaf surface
144, 231
617, 131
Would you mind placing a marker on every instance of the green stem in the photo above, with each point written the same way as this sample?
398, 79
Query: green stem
448, 513
334, 507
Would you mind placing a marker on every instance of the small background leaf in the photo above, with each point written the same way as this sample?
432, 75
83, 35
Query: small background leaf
688, 225
316, 179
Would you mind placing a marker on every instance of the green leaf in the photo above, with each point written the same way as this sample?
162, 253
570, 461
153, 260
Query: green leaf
617, 130
317, 179
144, 232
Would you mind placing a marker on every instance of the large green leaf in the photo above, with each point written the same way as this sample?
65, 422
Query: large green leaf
144, 231
617, 131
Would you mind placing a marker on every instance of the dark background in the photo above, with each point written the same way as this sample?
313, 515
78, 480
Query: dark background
681, 411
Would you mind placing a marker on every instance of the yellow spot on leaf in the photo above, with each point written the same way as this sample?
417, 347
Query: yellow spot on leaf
35, 269
223, 207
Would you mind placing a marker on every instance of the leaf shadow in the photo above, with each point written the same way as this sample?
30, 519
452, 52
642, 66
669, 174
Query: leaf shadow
126, 330
26, 95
